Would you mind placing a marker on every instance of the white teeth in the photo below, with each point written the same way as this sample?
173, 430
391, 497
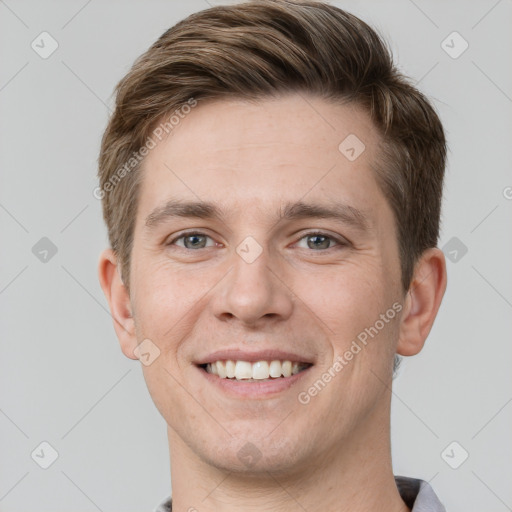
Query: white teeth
275, 369
230, 369
243, 370
287, 368
221, 369
260, 370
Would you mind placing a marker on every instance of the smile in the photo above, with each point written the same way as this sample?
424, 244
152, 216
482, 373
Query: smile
256, 371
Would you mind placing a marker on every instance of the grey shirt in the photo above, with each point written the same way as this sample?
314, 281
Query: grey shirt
417, 495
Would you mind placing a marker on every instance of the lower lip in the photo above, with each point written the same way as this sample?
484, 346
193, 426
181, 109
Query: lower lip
263, 389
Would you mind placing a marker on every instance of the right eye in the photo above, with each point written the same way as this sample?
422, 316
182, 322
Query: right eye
192, 240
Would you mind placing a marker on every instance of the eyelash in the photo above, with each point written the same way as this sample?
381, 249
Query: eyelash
339, 241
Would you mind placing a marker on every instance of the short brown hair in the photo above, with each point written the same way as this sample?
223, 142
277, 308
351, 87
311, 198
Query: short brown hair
261, 49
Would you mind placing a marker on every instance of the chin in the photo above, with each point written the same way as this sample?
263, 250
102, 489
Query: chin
276, 454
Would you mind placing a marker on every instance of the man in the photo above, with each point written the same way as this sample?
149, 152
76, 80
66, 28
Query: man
272, 189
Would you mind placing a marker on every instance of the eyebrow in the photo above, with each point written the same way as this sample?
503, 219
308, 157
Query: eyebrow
173, 209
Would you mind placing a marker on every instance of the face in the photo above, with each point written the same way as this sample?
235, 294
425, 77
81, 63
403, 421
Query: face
292, 257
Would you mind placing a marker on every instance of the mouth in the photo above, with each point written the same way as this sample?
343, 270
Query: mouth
242, 374
257, 371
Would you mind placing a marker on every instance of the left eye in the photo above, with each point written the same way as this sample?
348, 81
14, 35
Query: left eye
320, 241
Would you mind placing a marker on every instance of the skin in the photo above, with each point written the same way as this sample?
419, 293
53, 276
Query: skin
249, 159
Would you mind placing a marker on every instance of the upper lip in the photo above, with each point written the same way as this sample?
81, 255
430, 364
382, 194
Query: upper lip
236, 354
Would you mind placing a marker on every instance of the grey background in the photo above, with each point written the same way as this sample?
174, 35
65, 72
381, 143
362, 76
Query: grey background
63, 377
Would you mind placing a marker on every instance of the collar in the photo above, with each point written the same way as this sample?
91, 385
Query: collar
417, 495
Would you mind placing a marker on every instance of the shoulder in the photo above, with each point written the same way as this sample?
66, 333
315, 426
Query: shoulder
418, 495
164, 506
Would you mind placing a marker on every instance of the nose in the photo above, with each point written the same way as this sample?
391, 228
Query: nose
254, 292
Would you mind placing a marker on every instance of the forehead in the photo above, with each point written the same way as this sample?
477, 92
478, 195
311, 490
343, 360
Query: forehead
259, 154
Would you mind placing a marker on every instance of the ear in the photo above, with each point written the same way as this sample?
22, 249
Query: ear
422, 301
119, 301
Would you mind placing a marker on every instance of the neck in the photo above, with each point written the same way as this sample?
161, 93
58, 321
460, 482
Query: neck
356, 477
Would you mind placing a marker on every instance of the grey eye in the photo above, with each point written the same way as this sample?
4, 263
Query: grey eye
319, 241
192, 241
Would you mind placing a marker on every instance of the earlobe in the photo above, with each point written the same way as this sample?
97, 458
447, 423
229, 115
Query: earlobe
119, 301
422, 302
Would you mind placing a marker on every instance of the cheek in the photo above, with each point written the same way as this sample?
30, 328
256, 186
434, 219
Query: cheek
168, 303
344, 297
348, 302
